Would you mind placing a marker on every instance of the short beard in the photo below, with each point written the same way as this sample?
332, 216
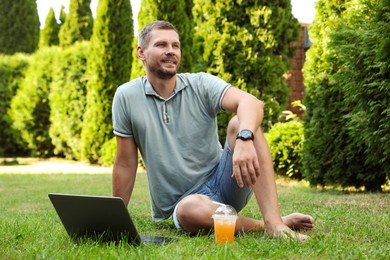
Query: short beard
165, 74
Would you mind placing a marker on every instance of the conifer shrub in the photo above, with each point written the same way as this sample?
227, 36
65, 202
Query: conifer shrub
347, 137
12, 72
285, 140
248, 44
108, 152
30, 110
78, 23
68, 100
109, 65
19, 26
49, 34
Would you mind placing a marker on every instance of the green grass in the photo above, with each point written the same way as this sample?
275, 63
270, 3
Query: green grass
348, 225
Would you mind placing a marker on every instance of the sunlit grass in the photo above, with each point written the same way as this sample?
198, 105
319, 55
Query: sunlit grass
349, 225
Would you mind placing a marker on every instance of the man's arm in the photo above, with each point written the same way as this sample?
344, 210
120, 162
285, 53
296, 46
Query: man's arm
125, 168
247, 107
249, 111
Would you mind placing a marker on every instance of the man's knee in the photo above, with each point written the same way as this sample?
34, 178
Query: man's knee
192, 205
233, 126
232, 130
194, 213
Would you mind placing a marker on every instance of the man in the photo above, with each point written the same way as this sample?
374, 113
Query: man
171, 118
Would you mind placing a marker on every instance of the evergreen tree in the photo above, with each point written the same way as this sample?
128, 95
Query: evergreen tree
146, 14
78, 24
322, 100
68, 98
137, 68
49, 34
19, 26
30, 110
108, 67
347, 77
62, 15
176, 12
12, 74
247, 43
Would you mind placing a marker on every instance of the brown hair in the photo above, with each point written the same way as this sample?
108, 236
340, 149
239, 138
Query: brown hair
144, 35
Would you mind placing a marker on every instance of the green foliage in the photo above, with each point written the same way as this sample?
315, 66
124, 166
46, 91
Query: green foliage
108, 152
247, 43
347, 76
30, 109
62, 15
19, 26
109, 66
78, 23
137, 68
320, 117
176, 12
285, 141
49, 34
67, 100
12, 70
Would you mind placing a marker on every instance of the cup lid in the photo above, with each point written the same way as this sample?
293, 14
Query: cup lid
228, 217
224, 211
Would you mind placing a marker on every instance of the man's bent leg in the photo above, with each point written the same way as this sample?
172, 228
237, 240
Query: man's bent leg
266, 194
194, 212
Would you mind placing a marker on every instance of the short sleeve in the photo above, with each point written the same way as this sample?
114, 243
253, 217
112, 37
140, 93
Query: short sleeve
121, 115
215, 89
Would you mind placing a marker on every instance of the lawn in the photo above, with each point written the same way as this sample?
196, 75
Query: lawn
348, 225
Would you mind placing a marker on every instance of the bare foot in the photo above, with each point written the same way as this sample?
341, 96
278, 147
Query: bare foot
286, 233
298, 221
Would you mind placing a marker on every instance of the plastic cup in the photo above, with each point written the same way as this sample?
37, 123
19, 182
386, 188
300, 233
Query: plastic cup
224, 224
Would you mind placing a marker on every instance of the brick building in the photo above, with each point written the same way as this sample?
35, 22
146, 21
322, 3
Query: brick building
295, 76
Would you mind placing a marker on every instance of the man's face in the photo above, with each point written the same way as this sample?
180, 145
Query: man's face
162, 55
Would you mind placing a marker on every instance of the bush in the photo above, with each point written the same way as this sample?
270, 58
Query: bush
78, 23
49, 34
347, 137
109, 151
12, 70
68, 100
19, 26
30, 109
248, 44
285, 141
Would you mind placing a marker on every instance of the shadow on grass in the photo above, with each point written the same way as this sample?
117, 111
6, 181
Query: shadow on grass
10, 162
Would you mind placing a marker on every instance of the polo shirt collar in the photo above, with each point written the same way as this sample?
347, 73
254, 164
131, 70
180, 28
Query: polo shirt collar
149, 90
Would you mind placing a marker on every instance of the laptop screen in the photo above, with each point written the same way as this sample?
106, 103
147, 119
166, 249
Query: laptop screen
98, 217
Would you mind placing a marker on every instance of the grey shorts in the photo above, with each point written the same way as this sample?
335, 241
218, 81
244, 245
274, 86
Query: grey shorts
221, 187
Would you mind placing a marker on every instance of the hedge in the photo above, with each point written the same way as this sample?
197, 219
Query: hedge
30, 109
12, 72
67, 100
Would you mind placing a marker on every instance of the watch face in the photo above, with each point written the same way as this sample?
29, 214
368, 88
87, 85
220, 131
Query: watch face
245, 135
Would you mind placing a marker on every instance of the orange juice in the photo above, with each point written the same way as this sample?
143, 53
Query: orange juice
224, 228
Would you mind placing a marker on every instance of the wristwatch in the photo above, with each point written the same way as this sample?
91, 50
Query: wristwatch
245, 135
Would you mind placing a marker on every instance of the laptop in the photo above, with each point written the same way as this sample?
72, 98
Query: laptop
101, 218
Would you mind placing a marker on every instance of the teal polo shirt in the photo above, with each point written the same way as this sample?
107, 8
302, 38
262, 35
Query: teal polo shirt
177, 137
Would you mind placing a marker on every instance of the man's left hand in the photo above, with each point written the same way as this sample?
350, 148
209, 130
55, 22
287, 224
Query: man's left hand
245, 163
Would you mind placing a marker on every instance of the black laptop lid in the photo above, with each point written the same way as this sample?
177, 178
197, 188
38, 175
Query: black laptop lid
105, 218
